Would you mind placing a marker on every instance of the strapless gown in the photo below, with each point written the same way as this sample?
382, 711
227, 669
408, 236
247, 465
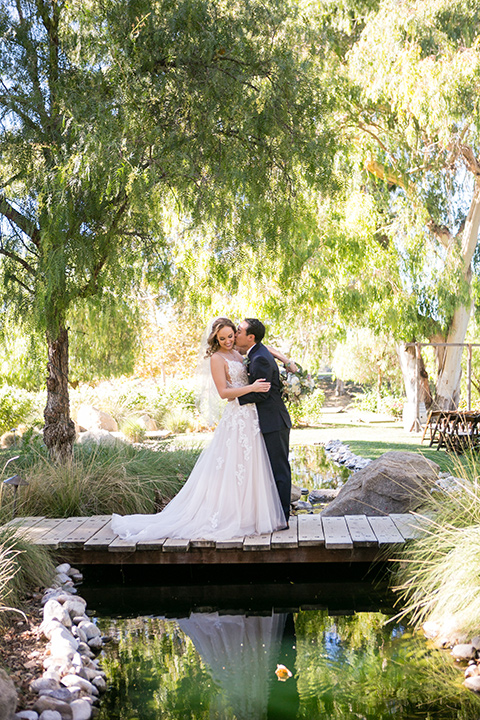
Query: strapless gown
230, 491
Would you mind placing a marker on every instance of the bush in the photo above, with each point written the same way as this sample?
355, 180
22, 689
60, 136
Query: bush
17, 406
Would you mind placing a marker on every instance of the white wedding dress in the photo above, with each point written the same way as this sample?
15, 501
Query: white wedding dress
230, 492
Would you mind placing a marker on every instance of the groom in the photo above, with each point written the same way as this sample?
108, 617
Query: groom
273, 416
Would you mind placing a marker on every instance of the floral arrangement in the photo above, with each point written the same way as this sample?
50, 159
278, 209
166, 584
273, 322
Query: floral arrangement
296, 385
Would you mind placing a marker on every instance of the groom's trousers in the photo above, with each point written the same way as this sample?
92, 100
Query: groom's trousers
277, 443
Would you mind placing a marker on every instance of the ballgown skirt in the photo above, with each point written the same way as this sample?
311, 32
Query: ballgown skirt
230, 492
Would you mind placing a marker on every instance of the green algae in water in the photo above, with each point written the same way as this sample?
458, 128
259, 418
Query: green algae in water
222, 666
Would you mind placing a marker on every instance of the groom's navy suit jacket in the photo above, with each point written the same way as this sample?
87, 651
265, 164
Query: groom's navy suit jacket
273, 418
272, 413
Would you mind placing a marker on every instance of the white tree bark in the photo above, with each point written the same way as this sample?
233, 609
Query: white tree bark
449, 362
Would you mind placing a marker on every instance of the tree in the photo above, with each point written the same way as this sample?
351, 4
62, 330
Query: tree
415, 117
117, 118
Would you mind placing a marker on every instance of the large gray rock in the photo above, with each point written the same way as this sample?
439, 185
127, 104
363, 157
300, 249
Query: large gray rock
394, 483
8, 696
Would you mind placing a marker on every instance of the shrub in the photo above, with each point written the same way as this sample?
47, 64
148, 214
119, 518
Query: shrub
17, 406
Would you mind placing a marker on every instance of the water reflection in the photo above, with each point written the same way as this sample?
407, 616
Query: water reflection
240, 652
214, 666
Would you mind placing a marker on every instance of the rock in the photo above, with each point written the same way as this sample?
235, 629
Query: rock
476, 642
99, 683
50, 715
82, 710
63, 568
75, 606
63, 578
76, 681
473, 683
44, 683
49, 703
296, 493
464, 652
90, 629
91, 418
323, 495
95, 643
8, 696
394, 483
53, 610
63, 694
97, 437
26, 715
147, 422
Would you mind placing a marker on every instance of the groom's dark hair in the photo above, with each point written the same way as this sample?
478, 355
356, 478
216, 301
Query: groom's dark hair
255, 328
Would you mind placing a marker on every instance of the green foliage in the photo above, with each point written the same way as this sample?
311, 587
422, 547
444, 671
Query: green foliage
24, 566
438, 574
99, 480
17, 406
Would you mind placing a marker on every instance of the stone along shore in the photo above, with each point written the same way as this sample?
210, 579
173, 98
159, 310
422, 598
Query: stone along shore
72, 679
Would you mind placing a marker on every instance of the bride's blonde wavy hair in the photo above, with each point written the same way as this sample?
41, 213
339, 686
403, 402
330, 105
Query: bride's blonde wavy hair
212, 342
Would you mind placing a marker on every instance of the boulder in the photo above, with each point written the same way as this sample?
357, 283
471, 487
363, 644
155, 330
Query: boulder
97, 437
8, 696
91, 418
147, 422
394, 483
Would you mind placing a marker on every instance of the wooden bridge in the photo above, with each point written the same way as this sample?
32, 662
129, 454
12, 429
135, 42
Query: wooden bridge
310, 539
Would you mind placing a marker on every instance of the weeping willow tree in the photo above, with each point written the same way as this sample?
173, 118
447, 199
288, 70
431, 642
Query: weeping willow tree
118, 116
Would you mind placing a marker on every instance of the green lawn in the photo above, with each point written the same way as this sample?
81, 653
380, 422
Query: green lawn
372, 439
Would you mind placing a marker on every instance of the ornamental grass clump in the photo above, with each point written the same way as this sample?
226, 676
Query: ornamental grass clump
101, 480
23, 567
438, 574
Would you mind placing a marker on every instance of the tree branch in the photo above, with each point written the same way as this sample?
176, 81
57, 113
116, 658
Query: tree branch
23, 223
13, 256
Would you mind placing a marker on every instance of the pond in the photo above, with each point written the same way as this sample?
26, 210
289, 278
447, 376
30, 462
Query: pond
208, 650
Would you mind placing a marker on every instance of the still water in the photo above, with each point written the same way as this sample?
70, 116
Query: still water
204, 651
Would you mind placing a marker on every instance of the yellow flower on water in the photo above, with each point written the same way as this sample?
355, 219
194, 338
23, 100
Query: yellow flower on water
283, 673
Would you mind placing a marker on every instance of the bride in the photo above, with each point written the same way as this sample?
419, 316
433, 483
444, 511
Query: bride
231, 491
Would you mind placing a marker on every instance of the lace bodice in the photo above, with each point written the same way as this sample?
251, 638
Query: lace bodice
237, 373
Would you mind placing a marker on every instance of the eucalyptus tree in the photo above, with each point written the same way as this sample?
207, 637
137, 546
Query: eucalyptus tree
415, 118
116, 117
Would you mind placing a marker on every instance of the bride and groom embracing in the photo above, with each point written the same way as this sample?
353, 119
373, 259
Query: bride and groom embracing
241, 483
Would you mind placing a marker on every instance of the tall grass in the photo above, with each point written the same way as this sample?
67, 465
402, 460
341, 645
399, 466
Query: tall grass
438, 574
23, 567
98, 481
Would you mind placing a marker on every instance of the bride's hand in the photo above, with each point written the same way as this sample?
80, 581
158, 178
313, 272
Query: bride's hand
261, 385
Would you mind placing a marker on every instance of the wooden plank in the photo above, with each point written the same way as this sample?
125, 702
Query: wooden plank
286, 538
55, 535
360, 531
235, 543
409, 526
122, 545
310, 530
38, 531
385, 530
102, 538
257, 542
176, 545
150, 544
336, 533
25, 521
202, 543
81, 533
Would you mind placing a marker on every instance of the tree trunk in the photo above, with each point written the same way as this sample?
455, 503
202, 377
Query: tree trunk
59, 430
408, 366
449, 362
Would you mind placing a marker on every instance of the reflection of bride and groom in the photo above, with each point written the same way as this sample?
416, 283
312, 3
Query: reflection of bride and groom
241, 653
241, 483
